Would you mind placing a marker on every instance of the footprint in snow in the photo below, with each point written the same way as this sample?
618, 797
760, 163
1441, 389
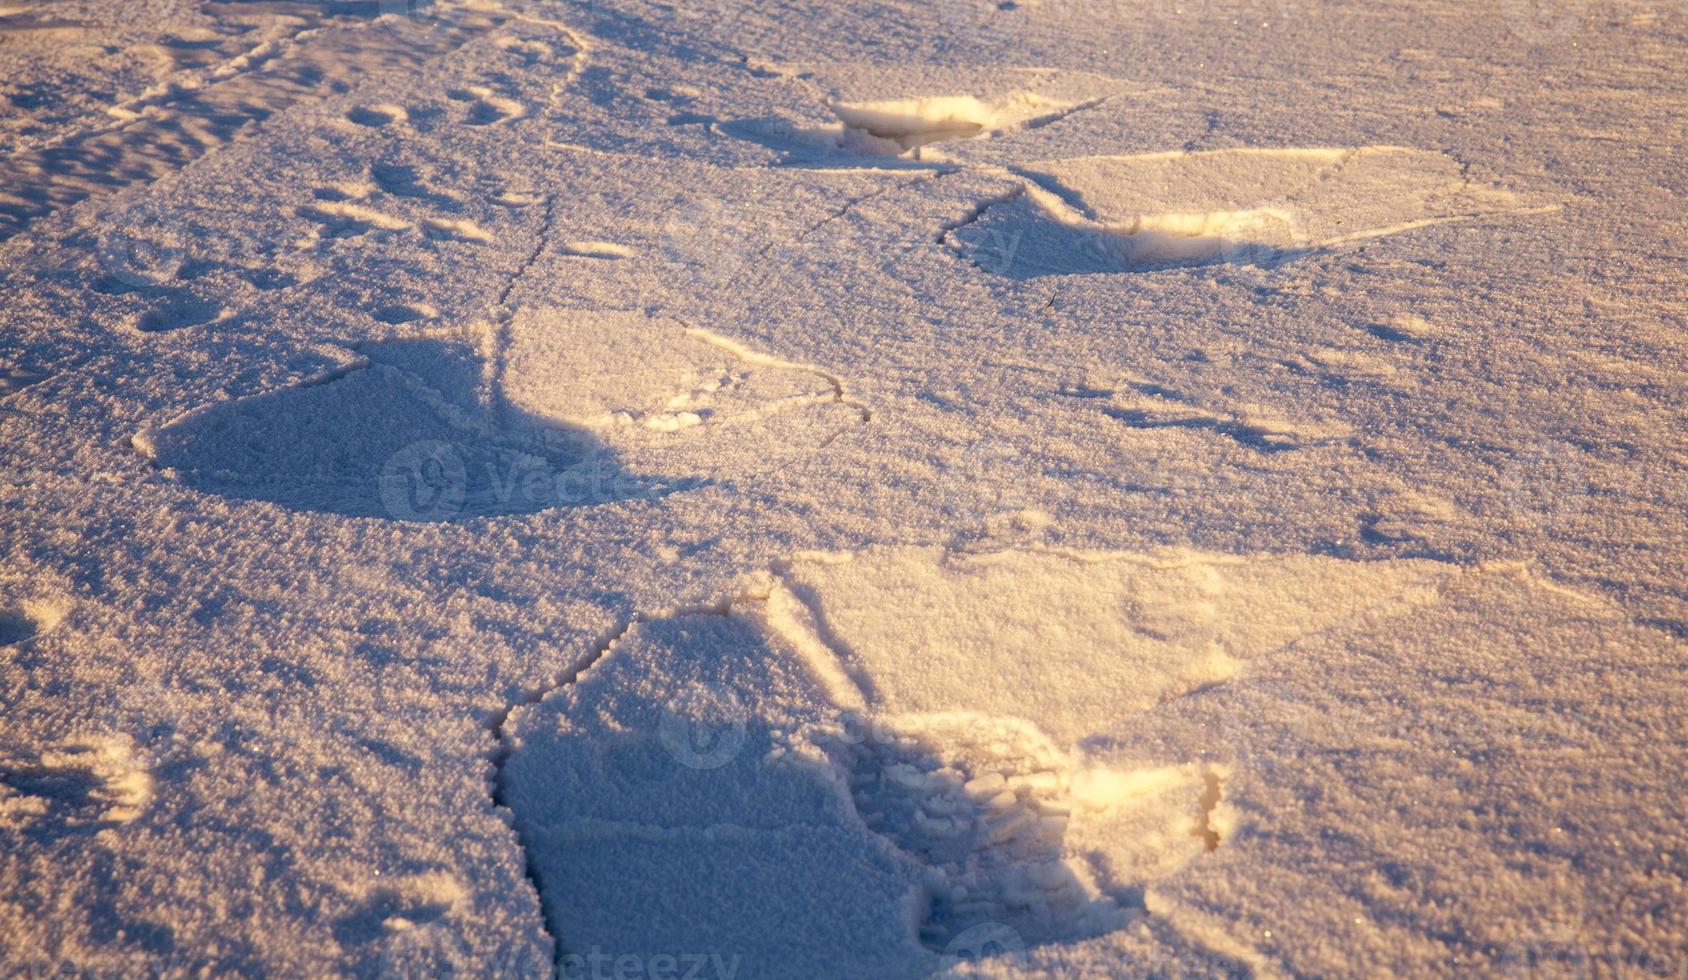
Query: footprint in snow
408, 433
80, 786
21, 621
562, 409
900, 739
15, 379
486, 107
378, 116
179, 309
1154, 211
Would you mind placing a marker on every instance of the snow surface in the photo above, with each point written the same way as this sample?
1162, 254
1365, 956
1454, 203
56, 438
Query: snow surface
607, 488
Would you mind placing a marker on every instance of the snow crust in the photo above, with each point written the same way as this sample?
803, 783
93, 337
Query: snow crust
586, 489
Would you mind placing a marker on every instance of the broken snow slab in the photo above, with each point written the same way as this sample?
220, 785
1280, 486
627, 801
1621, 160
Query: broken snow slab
878, 763
888, 112
1143, 212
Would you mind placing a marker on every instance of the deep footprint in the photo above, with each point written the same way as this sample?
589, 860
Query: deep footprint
79, 787
377, 116
25, 620
178, 311
983, 804
907, 703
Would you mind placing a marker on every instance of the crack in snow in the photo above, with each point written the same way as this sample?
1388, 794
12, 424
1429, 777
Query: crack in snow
546, 230
1060, 114
1015, 192
502, 749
